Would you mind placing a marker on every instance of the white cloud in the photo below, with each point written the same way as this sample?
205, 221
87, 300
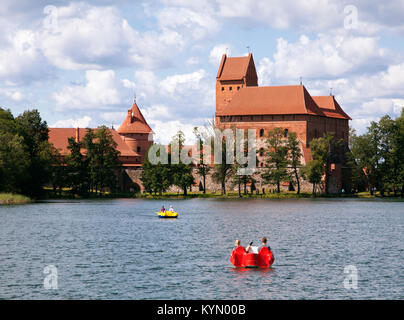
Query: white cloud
21, 60
327, 56
217, 52
102, 91
73, 123
14, 95
198, 24
165, 130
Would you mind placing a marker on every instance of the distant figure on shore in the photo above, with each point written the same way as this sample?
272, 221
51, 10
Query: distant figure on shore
163, 209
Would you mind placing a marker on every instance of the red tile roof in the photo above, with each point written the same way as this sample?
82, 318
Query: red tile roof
234, 68
59, 136
330, 107
272, 100
134, 122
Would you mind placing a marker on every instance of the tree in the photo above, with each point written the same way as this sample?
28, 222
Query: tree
77, 169
7, 122
277, 158
202, 168
313, 172
326, 150
105, 160
222, 171
14, 162
398, 153
181, 172
295, 154
156, 177
88, 143
35, 134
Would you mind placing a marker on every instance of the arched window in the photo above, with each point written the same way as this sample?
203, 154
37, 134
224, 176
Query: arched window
286, 133
261, 153
261, 133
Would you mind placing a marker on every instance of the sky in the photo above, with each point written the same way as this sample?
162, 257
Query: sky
82, 63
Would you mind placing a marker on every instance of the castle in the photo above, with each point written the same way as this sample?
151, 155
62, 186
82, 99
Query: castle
240, 103
133, 139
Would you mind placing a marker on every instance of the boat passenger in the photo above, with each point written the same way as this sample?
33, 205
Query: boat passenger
163, 209
248, 247
264, 244
171, 208
237, 243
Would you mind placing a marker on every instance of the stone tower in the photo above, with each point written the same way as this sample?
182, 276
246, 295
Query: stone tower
136, 133
234, 74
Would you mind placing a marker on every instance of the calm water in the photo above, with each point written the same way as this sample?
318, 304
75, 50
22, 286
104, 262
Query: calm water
119, 249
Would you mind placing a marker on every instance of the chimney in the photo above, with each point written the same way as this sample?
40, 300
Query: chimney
130, 115
77, 134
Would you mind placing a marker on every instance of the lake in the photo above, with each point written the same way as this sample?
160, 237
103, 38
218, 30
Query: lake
120, 249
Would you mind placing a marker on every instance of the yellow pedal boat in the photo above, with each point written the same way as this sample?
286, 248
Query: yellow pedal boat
167, 214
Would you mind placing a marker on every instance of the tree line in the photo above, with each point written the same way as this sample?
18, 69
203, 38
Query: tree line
29, 162
377, 156
372, 161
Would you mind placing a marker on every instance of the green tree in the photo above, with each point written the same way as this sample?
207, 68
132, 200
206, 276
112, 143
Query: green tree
222, 171
295, 154
105, 160
77, 169
276, 158
313, 172
398, 153
326, 150
35, 134
14, 162
156, 177
7, 122
202, 168
89, 144
181, 172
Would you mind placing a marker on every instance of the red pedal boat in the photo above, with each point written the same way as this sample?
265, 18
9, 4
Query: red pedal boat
241, 259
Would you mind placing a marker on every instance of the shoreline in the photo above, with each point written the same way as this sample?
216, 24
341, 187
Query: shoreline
218, 196
13, 199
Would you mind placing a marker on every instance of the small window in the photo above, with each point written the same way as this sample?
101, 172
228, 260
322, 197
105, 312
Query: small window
238, 88
230, 88
286, 133
261, 132
222, 88
262, 152
138, 149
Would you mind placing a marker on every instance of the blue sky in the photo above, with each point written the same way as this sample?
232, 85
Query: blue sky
81, 62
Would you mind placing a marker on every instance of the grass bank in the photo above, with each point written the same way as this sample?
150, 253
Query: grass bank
11, 198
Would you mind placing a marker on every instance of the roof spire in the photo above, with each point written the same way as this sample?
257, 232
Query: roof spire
301, 81
330, 91
248, 49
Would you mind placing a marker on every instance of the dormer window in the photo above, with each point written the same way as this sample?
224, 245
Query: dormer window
286, 133
138, 149
230, 88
